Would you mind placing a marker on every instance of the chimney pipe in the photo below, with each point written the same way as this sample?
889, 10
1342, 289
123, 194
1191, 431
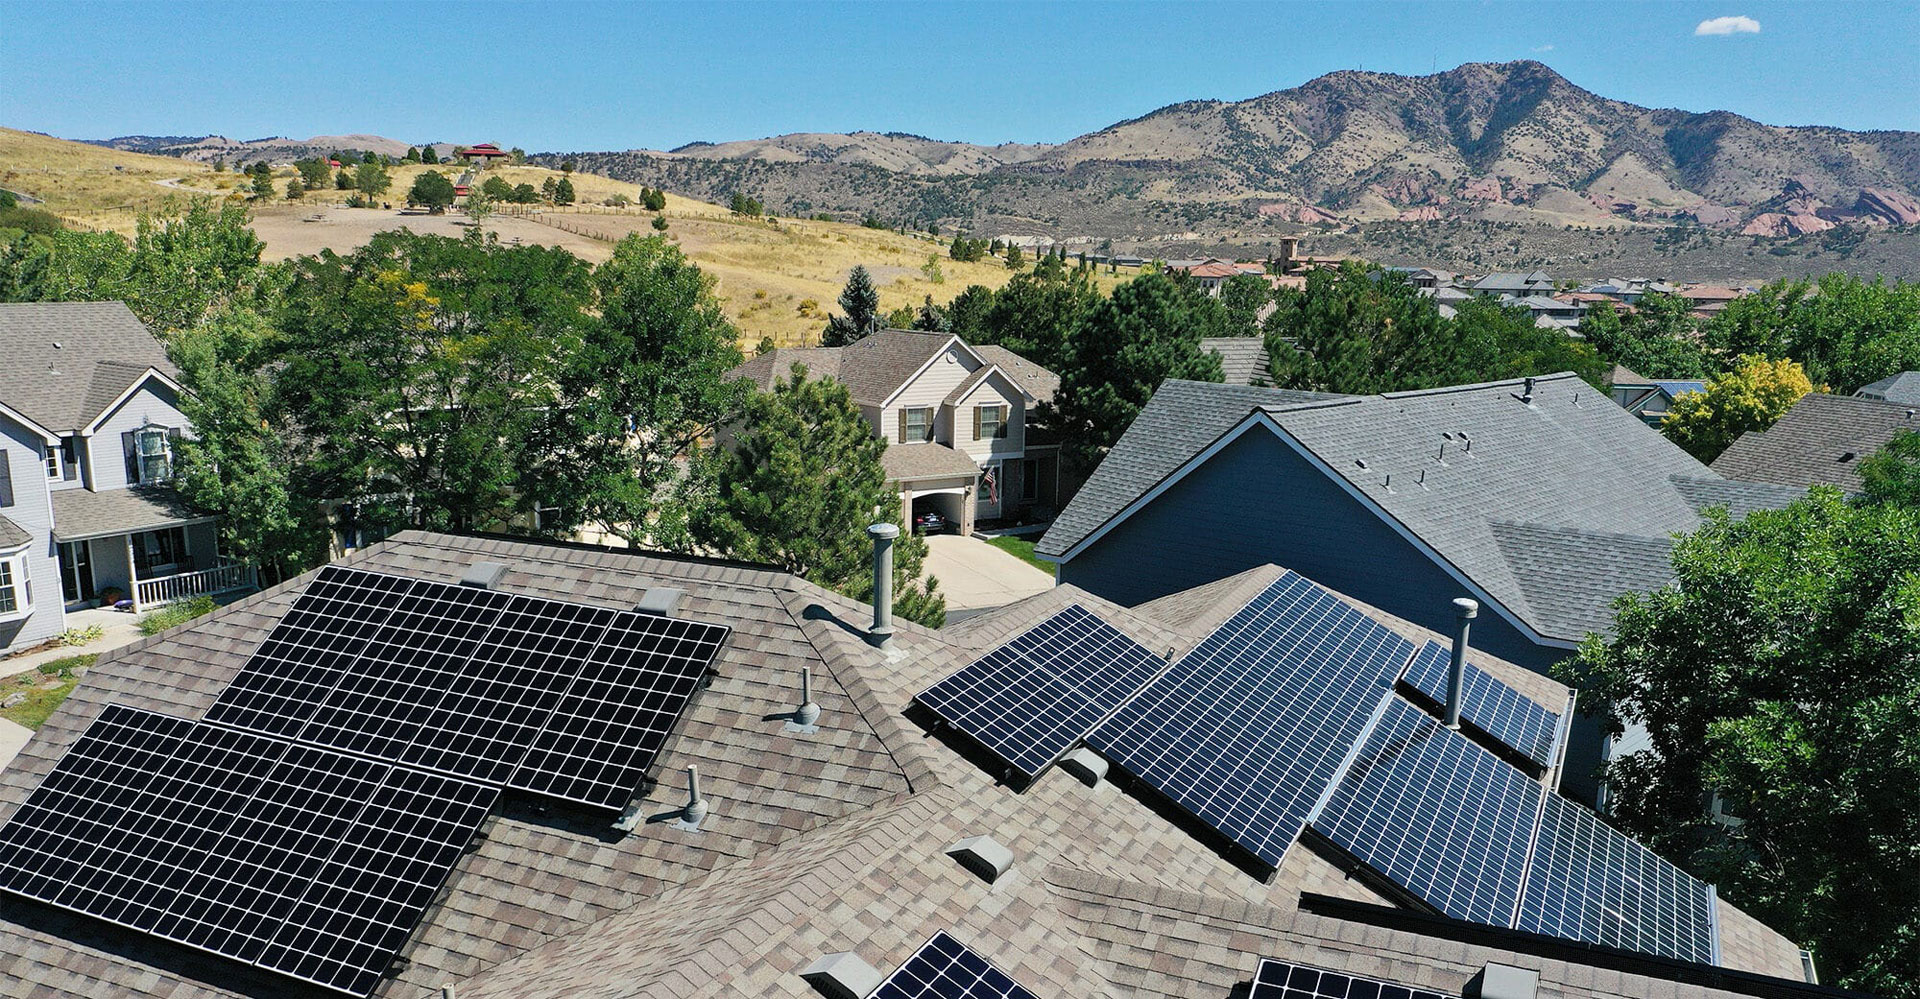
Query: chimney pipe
696, 809
809, 712
1464, 611
881, 636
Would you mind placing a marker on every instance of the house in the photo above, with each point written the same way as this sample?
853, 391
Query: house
89, 411
1243, 359
1708, 300
485, 153
1509, 492
1547, 311
1649, 398
1212, 273
840, 837
1502, 284
954, 417
1424, 278
1820, 441
1903, 388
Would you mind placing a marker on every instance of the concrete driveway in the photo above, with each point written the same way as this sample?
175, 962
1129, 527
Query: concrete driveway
975, 575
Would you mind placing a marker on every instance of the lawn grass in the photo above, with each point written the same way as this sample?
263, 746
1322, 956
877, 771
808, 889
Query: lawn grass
1022, 549
45, 688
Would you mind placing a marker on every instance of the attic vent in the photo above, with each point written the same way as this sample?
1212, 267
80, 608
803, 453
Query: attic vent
983, 856
841, 976
483, 575
1846, 456
1361, 462
1086, 766
661, 600
1504, 981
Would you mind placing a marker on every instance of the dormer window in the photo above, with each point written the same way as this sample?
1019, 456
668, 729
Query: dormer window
989, 422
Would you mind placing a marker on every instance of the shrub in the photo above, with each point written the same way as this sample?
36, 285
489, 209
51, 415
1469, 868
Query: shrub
175, 614
82, 636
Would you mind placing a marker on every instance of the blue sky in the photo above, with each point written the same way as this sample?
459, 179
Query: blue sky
564, 76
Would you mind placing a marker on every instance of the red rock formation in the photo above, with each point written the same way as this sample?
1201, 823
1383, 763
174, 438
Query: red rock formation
1785, 224
1483, 189
1892, 207
1424, 213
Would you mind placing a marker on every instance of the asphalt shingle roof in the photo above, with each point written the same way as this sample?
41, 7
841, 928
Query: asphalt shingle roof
1243, 359
66, 361
83, 513
12, 535
1571, 462
905, 462
815, 844
875, 366
1901, 388
1039, 382
1820, 441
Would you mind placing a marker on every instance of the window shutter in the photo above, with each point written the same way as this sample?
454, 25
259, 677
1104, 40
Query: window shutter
6, 480
131, 447
903, 425
976, 422
70, 458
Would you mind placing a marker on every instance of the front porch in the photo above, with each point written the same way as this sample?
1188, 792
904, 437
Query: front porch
139, 549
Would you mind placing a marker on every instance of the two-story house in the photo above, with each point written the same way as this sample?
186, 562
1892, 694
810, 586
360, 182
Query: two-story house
954, 417
89, 414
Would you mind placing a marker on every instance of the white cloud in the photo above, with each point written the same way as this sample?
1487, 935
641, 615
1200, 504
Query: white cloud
1543, 48
1741, 25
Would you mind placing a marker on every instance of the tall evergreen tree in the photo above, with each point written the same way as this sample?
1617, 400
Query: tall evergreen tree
859, 310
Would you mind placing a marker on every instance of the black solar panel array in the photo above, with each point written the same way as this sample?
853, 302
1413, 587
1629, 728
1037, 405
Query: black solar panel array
1487, 704
944, 968
1436, 814
1031, 699
1279, 980
1248, 729
307, 823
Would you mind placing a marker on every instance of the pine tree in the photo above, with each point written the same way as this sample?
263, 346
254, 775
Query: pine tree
860, 311
413, 154
563, 192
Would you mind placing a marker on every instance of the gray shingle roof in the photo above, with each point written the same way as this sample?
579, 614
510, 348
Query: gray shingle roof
1179, 422
12, 535
101, 349
904, 462
1571, 462
1243, 359
1820, 441
83, 513
815, 844
875, 366
1041, 383
1902, 388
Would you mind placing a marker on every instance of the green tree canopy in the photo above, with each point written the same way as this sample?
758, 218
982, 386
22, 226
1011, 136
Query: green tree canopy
1846, 332
433, 190
798, 488
563, 192
650, 377
1147, 332
859, 310
1656, 338
1752, 396
1035, 314
371, 179
497, 188
1893, 475
1779, 674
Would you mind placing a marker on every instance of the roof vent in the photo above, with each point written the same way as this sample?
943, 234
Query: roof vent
661, 600
1846, 456
1361, 462
1086, 766
983, 856
842, 976
1504, 981
1526, 392
1464, 611
806, 717
695, 811
483, 575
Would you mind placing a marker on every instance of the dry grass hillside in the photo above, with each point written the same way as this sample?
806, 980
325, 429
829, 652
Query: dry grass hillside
776, 277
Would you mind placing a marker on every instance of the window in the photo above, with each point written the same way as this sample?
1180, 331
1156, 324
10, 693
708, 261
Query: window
9, 590
916, 425
989, 423
159, 553
153, 452
53, 461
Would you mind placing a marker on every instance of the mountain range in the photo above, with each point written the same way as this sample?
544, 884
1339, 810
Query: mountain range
1509, 141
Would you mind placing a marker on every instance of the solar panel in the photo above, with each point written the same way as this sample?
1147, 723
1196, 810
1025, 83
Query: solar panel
379, 704
1031, 699
1248, 729
1279, 980
1489, 705
1588, 882
83, 798
610, 725
944, 968
492, 710
1439, 816
305, 655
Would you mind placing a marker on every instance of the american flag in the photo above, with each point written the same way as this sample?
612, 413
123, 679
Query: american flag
992, 481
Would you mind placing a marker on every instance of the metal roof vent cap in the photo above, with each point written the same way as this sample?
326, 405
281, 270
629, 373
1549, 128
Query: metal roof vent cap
842, 976
984, 856
483, 575
1504, 981
1086, 766
661, 600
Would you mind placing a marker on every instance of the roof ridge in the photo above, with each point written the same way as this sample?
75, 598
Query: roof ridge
1558, 376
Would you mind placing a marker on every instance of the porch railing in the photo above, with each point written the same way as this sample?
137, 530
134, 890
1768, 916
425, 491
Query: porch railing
226, 577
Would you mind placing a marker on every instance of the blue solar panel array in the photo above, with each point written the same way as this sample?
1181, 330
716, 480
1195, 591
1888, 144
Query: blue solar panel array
1280, 980
1487, 704
1248, 729
1031, 699
944, 968
1438, 815
1589, 882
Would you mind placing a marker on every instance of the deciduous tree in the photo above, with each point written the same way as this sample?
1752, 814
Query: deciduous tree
433, 190
1750, 397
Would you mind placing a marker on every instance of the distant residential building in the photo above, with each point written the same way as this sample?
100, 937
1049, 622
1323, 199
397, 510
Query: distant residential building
955, 418
1212, 272
1820, 441
1548, 311
1902, 388
1504, 284
1425, 278
485, 153
1649, 398
89, 417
